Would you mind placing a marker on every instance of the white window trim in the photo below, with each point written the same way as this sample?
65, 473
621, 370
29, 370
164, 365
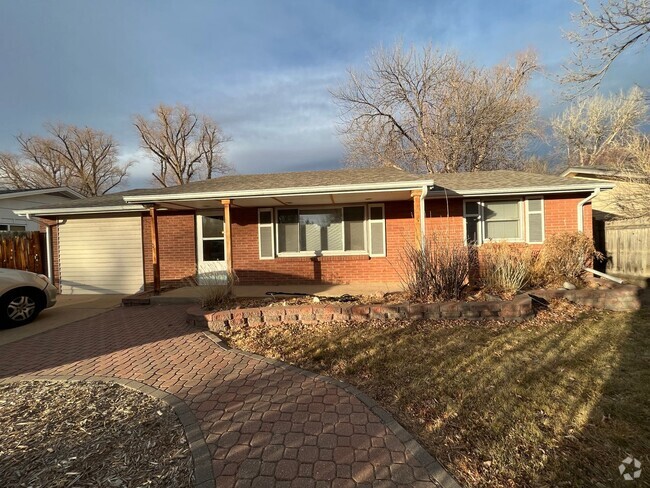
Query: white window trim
200, 238
369, 221
541, 212
302, 254
523, 227
260, 225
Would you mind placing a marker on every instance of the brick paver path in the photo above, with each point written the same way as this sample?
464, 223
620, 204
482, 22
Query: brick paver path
264, 425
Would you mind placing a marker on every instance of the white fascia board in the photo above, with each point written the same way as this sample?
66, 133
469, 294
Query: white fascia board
519, 191
42, 191
35, 212
279, 192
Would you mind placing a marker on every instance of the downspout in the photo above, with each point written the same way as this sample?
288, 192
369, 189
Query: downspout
48, 245
581, 204
423, 217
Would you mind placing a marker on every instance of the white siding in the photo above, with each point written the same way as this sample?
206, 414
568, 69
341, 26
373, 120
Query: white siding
101, 255
8, 205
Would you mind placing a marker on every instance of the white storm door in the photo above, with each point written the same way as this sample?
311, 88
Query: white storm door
211, 248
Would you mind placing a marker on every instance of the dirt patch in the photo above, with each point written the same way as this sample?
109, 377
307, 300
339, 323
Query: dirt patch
89, 434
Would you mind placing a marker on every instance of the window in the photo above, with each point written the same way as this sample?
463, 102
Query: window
327, 230
213, 238
503, 220
12, 228
321, 230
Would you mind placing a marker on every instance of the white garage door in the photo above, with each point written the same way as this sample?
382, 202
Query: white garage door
101, 255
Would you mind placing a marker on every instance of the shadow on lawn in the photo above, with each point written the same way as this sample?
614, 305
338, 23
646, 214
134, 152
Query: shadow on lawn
618, 422
518, 405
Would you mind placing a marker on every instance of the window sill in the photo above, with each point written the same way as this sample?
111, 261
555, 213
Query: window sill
327, 257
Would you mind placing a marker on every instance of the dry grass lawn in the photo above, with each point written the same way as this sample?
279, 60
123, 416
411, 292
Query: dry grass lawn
558, 400
89, 434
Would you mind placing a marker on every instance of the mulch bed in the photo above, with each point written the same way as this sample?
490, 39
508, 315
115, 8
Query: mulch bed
89, 434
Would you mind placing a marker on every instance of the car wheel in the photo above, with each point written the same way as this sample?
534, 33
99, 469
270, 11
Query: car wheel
19, 307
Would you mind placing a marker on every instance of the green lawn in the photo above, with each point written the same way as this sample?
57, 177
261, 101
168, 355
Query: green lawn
556, 401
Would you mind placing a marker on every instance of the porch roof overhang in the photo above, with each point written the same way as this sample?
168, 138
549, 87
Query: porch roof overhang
321, 195
496, 192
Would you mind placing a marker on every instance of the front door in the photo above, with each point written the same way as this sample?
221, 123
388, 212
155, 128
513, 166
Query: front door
211, 248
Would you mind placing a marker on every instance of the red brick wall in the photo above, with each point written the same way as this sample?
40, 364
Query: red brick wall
561, 214
176, 247
327, 269
444, 219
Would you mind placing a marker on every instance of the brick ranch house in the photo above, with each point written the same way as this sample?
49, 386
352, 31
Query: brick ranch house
342, 226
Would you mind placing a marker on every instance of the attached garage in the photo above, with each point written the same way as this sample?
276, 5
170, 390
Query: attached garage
101, 255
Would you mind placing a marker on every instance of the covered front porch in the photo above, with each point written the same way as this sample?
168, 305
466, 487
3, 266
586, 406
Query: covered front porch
223, 230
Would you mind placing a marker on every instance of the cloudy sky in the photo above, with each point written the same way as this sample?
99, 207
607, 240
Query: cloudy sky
262, 69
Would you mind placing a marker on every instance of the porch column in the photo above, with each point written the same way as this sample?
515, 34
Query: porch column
417, 216
155, 257
228, 239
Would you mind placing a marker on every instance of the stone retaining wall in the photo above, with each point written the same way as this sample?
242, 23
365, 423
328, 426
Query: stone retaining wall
516, 309
621, 298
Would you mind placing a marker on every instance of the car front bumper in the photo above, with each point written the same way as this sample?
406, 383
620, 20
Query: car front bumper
50, 293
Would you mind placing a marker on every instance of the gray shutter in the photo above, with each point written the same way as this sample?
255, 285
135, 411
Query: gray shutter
377, 225
535, 219
265, 227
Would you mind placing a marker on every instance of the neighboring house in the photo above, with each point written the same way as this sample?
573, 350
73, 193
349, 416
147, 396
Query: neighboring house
625, 242
11, 200
343, 226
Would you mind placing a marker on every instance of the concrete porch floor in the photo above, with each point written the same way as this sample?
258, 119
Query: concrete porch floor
193, 294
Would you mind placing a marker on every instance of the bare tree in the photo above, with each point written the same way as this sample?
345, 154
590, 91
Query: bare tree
536, 165
632, 196
602, 36
84, 159
591, 131
429, 111
185, 145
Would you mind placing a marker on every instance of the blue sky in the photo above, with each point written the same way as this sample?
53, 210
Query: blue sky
262, 69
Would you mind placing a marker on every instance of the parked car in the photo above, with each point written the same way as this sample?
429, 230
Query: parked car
23, 295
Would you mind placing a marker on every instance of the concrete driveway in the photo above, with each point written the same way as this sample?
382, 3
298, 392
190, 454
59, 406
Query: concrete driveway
68, 309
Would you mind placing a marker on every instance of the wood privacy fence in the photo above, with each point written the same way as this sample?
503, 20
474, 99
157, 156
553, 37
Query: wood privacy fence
627, 243
22, 250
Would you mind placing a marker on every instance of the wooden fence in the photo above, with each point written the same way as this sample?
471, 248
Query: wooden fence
627, 243
23, 250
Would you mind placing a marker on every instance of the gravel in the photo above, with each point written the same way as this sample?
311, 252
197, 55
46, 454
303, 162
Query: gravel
89, 434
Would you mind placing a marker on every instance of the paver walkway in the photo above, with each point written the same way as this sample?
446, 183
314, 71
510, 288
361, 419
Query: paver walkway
264, 424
